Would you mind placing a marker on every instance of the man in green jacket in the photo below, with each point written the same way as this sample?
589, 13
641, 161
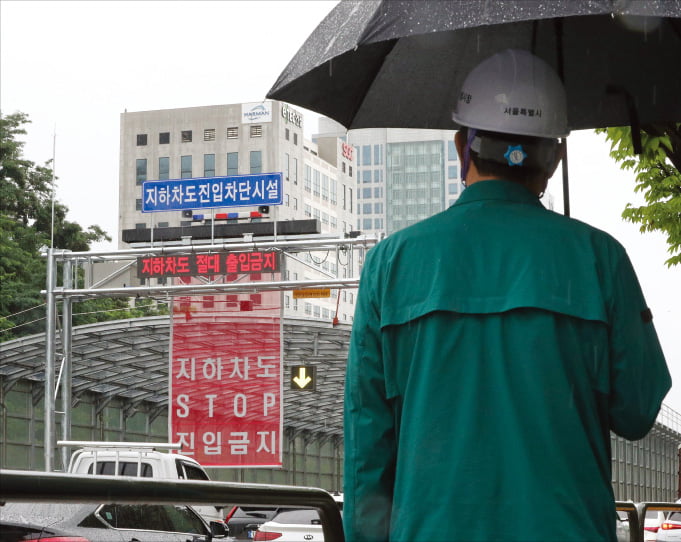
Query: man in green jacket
496, 345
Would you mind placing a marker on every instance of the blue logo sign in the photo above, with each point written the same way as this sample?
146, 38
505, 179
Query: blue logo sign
211, 192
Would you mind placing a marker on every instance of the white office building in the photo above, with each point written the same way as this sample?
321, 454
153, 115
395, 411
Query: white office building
319, 181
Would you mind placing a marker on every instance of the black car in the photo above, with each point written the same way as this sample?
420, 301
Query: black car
243, 521
105, 523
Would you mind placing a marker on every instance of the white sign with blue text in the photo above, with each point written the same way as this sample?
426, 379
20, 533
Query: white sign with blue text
212, 192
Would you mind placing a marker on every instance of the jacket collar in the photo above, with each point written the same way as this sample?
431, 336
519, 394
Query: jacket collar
497, 190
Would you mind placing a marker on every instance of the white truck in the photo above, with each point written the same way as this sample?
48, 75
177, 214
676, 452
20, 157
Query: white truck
140, 460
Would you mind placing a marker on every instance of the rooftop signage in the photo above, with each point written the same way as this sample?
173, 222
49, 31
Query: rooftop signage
256, 112
291, 115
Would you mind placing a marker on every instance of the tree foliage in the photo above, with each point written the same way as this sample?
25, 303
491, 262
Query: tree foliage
25, 227
658, 177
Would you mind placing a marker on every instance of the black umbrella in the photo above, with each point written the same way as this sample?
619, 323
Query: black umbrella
395, 63
400, 64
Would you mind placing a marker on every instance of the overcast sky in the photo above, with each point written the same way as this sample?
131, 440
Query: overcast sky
74, 67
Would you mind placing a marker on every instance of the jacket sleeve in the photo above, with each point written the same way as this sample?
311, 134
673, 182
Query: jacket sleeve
640, 378
370, 447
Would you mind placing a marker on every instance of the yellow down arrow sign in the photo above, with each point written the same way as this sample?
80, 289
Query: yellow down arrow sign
303, 377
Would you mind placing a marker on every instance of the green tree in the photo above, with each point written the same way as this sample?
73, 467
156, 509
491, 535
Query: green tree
658, 177
25, 227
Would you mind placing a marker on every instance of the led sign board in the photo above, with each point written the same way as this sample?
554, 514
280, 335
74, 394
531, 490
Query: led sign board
192, 265
212, 192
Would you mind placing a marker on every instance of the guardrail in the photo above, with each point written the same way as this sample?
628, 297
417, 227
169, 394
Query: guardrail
30, 486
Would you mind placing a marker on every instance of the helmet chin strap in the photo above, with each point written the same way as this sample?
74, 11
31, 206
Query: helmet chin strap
467, 154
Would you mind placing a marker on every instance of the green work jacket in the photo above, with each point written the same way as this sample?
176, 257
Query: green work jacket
494, 347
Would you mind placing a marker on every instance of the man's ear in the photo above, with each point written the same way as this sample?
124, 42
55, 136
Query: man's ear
460, 144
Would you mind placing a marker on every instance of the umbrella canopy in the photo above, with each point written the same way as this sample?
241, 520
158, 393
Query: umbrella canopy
400, 64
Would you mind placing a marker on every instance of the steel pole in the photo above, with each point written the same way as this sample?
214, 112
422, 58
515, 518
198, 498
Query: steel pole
66, 380
566, 182
50, 344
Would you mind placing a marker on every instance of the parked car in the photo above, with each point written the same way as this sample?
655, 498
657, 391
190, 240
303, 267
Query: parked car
651, 525
243, 521
670, 529
91, 522
295, 525
140, 460
622, 527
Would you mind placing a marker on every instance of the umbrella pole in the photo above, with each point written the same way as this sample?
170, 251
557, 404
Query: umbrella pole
566, 182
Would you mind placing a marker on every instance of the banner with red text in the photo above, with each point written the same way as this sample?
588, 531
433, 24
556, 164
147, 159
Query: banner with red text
226, 377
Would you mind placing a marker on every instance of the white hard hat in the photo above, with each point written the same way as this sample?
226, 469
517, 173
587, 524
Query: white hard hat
513, 92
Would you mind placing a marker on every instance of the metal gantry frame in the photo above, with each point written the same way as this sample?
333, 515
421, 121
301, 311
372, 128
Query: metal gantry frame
353, 247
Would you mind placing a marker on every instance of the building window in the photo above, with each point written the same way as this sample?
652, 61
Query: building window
343, 167
295, 204
209, 165
163, 224
163, 168
308, 178
453, 188
294, 174
286, 200
308, 210
287, 165
378, 207
287, 134
451, 150
325, 187
232, 132
366, 176
256, 161
232, 163
295, 139
141, 140
185, 167
350, 171
366, 155
140, 226
138, 204
256, 130
316, 183
366, 209
209, 134
186, 136
163, 138
378, 155
141, 171
452, 172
